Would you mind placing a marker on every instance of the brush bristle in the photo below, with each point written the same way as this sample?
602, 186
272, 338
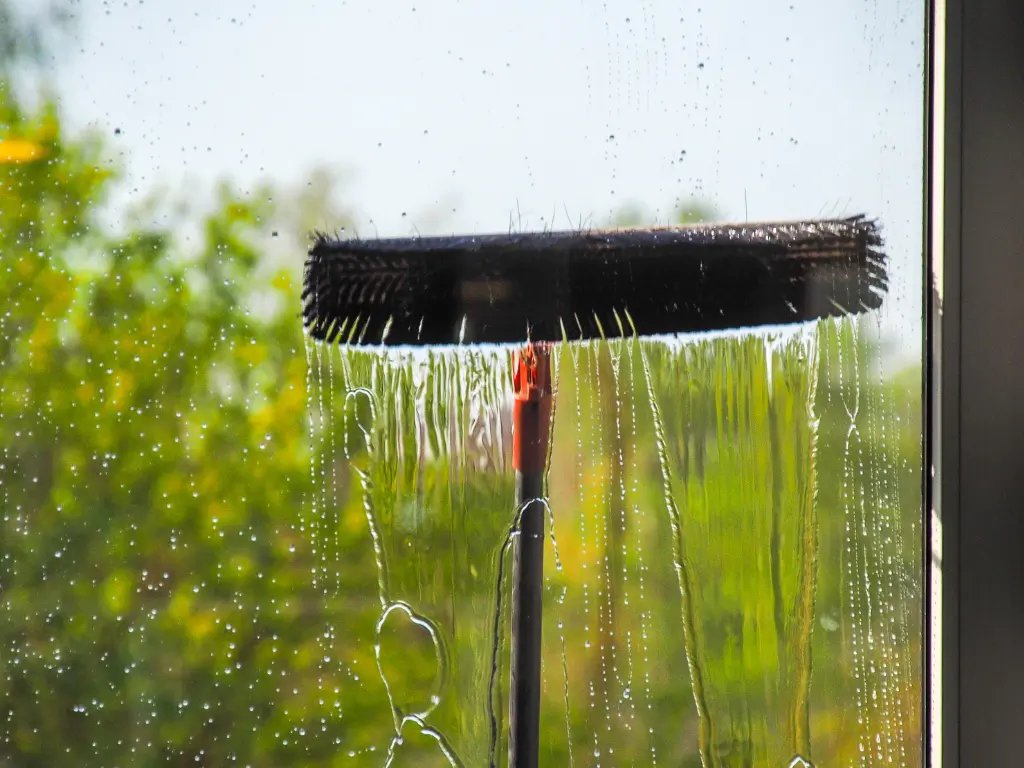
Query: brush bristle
507, 288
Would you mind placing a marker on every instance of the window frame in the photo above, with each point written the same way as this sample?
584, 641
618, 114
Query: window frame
975, 241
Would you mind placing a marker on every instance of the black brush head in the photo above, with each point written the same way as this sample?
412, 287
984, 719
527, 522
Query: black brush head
547, 286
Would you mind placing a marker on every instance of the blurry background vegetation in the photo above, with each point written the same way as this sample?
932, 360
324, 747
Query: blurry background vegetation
156, 605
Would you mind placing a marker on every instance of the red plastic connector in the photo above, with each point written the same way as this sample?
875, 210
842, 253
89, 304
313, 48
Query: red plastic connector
531, 410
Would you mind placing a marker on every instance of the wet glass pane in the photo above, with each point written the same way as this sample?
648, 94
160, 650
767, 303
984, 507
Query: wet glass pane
225, 542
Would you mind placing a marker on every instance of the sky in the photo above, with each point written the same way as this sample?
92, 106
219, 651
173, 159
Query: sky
440, 116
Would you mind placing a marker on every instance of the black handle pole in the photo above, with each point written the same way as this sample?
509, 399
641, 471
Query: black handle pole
528, 582
531, 430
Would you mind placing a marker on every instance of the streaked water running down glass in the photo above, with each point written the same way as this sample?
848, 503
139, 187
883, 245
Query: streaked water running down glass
733, 574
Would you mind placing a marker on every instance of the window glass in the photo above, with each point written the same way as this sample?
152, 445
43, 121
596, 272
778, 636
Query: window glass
225, 543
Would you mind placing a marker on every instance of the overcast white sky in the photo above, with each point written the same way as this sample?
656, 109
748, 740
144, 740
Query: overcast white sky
462, 114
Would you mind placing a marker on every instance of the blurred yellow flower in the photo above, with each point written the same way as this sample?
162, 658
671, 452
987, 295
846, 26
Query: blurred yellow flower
20, 151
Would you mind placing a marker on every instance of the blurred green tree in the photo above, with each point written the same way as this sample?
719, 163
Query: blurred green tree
155, 586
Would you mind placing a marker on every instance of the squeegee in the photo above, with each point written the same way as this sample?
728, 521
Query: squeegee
531, 289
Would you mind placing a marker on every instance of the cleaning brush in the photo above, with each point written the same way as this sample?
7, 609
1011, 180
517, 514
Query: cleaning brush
532, 289
546, 286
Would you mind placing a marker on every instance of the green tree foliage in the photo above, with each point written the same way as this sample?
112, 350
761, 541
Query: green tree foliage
156, 596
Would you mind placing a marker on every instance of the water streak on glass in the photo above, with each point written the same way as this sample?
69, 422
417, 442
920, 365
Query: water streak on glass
730, 583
